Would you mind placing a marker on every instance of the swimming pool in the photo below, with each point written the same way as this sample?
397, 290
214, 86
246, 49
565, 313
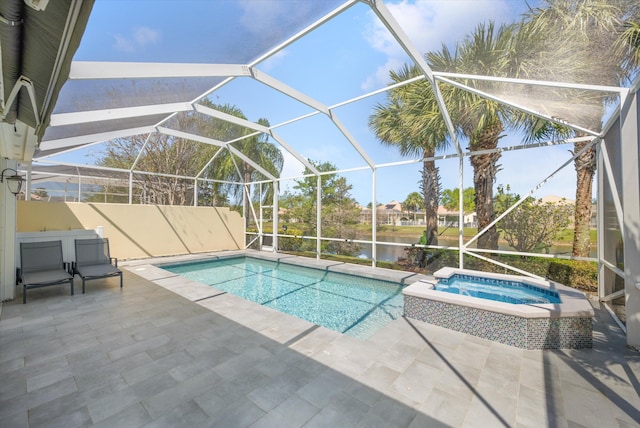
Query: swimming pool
349, 304
514, 292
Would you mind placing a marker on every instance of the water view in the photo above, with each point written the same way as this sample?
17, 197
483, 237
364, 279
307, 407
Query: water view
392, 253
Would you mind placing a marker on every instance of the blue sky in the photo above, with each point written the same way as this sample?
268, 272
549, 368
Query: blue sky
346, 58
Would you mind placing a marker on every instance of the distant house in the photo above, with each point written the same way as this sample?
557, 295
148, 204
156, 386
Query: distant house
390, 213
448, 218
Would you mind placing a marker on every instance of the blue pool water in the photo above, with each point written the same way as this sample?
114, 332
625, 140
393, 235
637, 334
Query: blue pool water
496, 289
350, 304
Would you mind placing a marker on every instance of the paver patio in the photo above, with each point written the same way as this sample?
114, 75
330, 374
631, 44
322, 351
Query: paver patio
147, 356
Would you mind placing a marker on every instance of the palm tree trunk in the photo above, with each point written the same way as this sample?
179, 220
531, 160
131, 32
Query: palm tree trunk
485, 169
431, 194
585, 165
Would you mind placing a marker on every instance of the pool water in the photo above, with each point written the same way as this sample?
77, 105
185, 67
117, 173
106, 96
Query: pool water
495, 289
349, 304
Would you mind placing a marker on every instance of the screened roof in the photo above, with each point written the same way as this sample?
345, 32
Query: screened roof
314, 69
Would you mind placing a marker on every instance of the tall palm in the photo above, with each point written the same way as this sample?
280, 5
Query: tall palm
413, 202
586, 32
261, 151
628, 44
411, 121
257, 148
487, 51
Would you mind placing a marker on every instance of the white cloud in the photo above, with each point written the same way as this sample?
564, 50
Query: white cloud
140, 37
273, 60
146, 36
122, 44
381, 75
428, 24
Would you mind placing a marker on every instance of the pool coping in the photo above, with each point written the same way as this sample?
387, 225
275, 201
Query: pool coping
402, 277
574, 304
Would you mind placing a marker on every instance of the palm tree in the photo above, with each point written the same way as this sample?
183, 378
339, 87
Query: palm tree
261, 151
257, 148
628, 44
585, 31
411, 121
487, 51
413, 202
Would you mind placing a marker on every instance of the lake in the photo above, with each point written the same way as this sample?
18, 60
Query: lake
392, 253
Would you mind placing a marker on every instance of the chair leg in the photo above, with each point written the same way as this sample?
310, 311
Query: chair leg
82, 285
24, 294
71, 283
120, 279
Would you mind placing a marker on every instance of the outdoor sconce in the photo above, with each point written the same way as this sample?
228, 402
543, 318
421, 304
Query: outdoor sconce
14, 182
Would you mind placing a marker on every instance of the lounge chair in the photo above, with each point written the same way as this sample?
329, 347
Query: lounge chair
94, 261
41, 265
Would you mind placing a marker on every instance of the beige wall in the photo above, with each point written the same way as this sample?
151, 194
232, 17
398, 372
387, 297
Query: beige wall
137, 231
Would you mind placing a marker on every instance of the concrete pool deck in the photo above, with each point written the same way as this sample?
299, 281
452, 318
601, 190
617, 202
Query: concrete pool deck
147, 356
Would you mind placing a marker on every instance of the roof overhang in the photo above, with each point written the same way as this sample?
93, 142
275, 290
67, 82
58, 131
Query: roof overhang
37, 40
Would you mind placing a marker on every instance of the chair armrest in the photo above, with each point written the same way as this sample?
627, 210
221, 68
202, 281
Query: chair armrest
114, 261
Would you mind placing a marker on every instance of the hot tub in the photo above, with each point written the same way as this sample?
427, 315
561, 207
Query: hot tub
563, 324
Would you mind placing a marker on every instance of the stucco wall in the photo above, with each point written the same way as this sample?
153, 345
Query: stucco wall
137, 231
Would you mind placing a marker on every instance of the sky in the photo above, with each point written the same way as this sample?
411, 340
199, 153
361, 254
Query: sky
344, 59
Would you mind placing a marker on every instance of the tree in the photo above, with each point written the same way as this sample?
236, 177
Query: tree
339, 212
487, 51
169, 155
451, 199
412, 122
533, 225
229, 167
574, 42
413, 202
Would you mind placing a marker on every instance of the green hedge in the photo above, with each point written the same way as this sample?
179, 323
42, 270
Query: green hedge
573, 273
578, 274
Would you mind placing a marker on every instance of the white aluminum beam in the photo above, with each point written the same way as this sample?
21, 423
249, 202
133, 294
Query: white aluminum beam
338, 123
62, 119
73, 149
518, 106
531, 192
230, 118
93, 138
294, 153
615, 192
194, 137
306, 30
83, 70
189, 136
204, 168
629, 136
139, 155
316, 105
389, 21
289, 91
248, 160
256, 126
565, 85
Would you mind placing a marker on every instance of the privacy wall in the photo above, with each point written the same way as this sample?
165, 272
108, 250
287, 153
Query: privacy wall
138, 231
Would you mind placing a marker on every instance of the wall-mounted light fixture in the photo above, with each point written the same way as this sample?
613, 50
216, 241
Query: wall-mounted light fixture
14, 182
